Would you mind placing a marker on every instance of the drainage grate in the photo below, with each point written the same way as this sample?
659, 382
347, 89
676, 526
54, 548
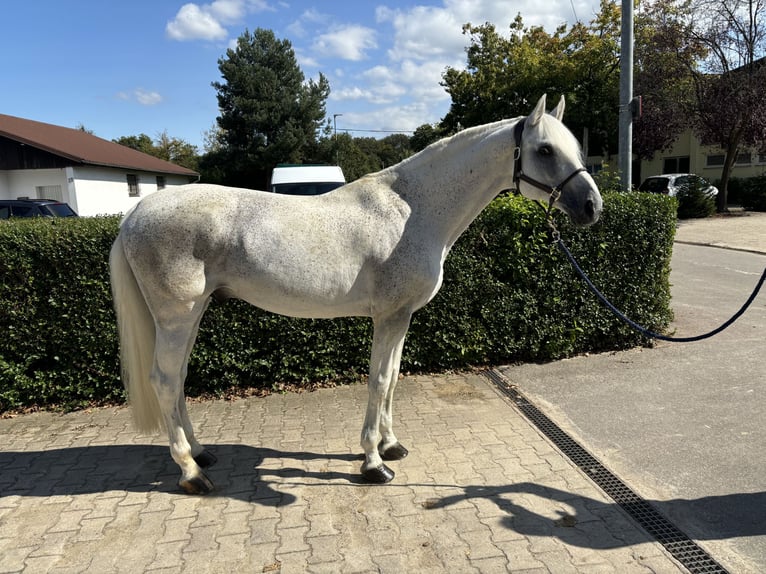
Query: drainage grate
680, 546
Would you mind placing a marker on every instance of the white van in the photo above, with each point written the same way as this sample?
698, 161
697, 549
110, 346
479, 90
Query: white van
306, 179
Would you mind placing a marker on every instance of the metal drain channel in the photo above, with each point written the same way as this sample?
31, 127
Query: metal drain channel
680, 546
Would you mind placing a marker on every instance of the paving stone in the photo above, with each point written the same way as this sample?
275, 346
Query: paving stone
480, 492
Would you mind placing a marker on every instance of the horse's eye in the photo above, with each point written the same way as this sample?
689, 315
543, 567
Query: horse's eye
545, 150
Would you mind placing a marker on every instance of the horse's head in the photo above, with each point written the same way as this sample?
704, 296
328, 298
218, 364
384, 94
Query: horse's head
549, 160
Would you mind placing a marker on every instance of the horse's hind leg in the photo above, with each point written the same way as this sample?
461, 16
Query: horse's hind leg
204, 458
378, 440
169, 365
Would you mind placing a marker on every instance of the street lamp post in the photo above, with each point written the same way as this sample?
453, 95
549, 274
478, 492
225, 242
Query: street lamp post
335, 135
626, 96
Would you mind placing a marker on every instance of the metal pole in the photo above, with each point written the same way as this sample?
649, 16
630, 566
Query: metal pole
335, 135
626, 95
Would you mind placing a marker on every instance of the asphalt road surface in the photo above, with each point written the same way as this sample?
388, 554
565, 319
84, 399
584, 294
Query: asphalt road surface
681, 423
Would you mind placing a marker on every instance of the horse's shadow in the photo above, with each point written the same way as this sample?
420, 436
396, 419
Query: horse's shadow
240, 473
708, 518
254, 474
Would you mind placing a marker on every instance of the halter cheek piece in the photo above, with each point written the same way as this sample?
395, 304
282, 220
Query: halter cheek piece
519, 175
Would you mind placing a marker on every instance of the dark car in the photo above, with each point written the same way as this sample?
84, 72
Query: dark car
34, 208
670, 183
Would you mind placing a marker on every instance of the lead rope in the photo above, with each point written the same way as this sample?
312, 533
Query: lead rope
643, 330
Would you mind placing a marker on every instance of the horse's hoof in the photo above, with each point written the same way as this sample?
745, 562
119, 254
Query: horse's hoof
379, 475
199, 484
395, 452
205, 459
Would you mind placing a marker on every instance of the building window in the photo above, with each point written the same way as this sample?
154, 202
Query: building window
133, 190
49, 192
161, 182
715, 160
676, 165
744, 158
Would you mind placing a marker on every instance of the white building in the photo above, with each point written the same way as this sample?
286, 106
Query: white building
94, 176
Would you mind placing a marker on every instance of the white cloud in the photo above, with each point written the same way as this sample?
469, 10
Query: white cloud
147, 98
209, 21
352, 93
350, 42
425, 40
194, 23
397, 118
423, 32
142, 96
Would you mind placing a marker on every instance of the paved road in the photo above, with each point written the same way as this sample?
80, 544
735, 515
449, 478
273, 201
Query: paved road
682, 423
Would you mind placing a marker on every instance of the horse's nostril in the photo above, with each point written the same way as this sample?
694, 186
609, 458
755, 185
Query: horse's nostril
590, 208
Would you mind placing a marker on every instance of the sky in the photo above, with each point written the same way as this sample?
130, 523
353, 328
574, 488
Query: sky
127, 67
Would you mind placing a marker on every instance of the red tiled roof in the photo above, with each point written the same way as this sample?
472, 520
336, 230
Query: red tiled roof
82, 147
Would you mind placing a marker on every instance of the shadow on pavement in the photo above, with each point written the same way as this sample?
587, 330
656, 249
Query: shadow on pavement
246, 473
726, 516
149, 468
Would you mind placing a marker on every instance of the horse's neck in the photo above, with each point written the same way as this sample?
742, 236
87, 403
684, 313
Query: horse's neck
449, 184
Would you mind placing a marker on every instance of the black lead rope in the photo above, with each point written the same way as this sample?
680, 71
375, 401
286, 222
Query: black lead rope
643, 330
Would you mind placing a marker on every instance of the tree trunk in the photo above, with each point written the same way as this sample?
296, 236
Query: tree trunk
728, 163
723, 191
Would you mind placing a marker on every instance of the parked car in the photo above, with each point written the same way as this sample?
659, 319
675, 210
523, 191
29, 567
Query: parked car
306, 179
670, 183
34, 208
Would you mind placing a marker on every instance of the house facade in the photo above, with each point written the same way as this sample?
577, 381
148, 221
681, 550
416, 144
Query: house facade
94, 176
688, 155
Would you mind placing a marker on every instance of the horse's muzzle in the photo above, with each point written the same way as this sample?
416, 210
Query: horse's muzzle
582, 208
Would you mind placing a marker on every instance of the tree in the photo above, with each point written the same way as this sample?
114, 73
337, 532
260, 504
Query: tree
176, 150
393, 149
269, 113
730, 109
666, 53
141, 142
424, 136
505, 76
170, 149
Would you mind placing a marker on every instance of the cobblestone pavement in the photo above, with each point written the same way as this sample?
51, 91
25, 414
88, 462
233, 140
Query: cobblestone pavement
481, 491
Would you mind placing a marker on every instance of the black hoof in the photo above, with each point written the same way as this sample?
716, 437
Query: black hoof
395, 452
379, 475
198, 485
205, 459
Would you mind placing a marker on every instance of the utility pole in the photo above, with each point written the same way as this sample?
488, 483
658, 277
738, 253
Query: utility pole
626, 96
335, 135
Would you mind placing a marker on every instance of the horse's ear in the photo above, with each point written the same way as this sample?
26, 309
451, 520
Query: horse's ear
537, 114
558, 111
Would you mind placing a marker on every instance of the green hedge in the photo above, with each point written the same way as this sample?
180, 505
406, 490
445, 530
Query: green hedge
693, 202
508, 295
748, 192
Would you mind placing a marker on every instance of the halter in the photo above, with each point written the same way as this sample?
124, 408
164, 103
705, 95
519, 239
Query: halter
519, 175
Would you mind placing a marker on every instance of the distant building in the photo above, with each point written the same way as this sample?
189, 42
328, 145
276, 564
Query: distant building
688, 155
94, 176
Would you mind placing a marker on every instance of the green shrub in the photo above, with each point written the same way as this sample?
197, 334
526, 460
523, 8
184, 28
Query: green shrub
693, 202
508, 295
735, 188
59, 337
752, 193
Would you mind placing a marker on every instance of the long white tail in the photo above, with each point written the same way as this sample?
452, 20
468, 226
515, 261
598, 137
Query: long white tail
137, 337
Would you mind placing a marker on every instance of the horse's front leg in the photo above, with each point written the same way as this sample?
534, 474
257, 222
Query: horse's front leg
389, 447
378, 440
